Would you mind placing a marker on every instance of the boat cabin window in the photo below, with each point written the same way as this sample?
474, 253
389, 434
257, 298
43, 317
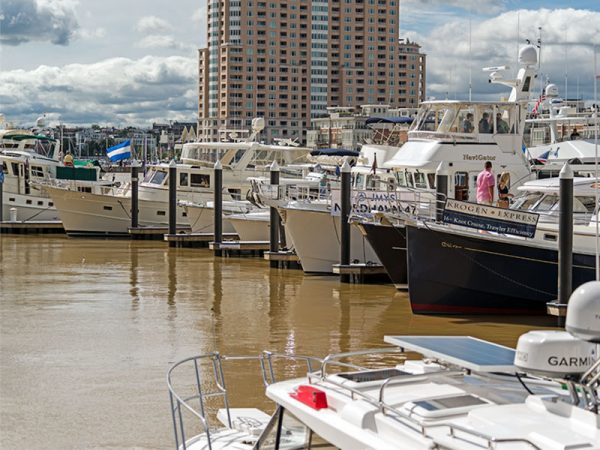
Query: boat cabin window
15, 168
401, 178
526, 201
157, 177
184, 179
420, 180
359, 181
548, 203
199, 180
465, 121
584, 204
504, 121
37, 171
4, 168
284, 431
486, 120
372, 182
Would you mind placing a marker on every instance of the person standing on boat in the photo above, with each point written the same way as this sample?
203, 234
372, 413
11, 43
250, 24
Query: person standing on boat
468, 124
484, 124
486, 185
503, 188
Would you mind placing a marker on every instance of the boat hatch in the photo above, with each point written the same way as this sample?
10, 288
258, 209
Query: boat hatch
372, 375
445, 406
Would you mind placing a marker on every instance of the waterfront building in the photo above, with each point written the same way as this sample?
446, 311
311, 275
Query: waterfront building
288, 60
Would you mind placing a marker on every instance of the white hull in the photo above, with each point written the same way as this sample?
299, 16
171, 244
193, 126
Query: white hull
202, 219
29, 208
256, 226
84, 213
316, 238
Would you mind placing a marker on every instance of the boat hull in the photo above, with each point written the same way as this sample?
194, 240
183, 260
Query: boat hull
452, 273
29, 208
316, 238
107, 215
389, 244
202, 220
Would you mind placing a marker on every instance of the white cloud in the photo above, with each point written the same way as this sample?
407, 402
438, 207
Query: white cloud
567, 39
117, 91
152, 24
161, 41
23, 21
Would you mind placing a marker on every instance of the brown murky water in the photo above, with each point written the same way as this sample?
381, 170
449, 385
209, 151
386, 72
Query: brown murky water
89, 328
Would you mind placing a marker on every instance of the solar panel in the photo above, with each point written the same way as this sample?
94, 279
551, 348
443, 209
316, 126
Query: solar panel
466, 351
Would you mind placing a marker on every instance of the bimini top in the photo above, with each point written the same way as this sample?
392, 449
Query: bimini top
334, 152
23, 137
389, 120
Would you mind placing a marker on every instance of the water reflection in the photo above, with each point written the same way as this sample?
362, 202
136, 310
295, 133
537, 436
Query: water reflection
101, 321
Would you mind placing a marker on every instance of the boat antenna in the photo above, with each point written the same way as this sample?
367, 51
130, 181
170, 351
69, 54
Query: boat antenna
597, 124
539, 46
566, 67
518, 33
470, 61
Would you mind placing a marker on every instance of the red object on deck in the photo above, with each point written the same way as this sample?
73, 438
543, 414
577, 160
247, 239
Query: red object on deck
311, 396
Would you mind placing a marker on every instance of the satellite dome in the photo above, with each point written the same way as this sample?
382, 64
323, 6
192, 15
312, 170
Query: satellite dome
551, 91
583, 312
41, 122
528, 55
258, 124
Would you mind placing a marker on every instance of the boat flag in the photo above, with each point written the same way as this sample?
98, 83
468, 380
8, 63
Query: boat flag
120, 151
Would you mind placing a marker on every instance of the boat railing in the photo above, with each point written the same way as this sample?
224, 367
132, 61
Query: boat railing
186, 404
393, 411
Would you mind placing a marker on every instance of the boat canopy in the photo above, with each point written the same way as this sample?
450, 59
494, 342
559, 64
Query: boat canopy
334, 152
394, 120
23, 137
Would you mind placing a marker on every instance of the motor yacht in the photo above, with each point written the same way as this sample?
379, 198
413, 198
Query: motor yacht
460, 270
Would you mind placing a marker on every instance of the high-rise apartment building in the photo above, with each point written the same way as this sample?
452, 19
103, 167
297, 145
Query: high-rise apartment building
288, 60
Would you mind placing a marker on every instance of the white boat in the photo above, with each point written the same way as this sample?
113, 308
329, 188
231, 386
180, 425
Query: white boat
464, 393
29, 163
110, 214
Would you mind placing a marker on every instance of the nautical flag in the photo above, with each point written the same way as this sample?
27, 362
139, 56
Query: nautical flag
120, 151
543, 158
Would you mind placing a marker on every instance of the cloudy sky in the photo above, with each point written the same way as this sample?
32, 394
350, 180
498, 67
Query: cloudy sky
134, 62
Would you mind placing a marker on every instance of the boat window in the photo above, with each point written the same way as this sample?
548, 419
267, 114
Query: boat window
547, 204
447, 117
15, 169
4, 168
37, 171
359, 181
584, 204
372, 181
148, 176
401, 178
486, 120
431, 121
431, 179
200, 180
416, 125
420, 180
158, 177
183, 179
409, 179
504, 122
465, 121
526, 201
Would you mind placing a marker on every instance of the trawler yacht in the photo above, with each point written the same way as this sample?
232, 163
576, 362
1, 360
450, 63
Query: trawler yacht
464, 393
110, 214
458, 137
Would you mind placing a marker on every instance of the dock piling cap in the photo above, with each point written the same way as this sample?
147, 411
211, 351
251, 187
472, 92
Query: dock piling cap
135, 163
345, 166
218, 165
172, 164
274, 166
566, 173
442, 169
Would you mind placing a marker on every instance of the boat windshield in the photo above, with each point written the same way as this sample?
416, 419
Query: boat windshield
286, 432
467, 118
155, 177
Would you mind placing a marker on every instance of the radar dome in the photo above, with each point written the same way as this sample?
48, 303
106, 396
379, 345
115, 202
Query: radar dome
551, 91
553, 354
583, 312
258, 124
528, 55
40, 122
